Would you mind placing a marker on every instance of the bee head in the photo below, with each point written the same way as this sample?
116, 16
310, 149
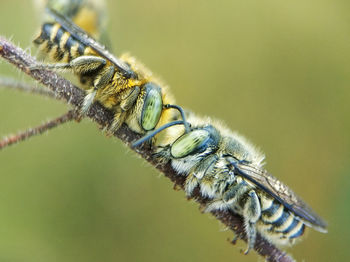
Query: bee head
197, 141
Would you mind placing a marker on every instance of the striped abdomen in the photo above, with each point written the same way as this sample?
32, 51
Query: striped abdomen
278, 223
59, 44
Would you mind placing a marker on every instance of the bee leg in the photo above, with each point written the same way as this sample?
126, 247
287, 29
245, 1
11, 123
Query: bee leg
85, 65
100, 81
118, 120
235, 192
251, 214
200, 176
234, 239
190, 184
128, 98
230, 198
88, 64
80, 65
162, 154
207, 187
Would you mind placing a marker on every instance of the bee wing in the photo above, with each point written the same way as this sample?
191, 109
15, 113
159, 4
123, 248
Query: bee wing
82, 36
279, 191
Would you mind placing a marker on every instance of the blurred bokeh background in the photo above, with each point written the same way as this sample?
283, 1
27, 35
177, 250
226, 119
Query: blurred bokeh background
276, 71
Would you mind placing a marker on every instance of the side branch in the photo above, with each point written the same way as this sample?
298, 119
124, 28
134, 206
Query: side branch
74, 96
6, 82
13, 139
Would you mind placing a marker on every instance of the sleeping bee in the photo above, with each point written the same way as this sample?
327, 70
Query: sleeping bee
225, 167
87, 14
122, 85
228, 170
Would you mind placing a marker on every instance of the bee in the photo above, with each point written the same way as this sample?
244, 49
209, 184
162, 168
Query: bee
90, 15
122, 85
228, 171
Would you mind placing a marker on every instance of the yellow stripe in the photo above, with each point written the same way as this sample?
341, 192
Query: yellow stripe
265, 202
54, 31
89, 51
295, 229
64, 40
275, 216
65, 58
286, 224
53, 54
44, 46
74, 50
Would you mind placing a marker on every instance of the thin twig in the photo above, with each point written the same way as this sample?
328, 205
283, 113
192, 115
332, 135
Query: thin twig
74, 96
12, 83
13, 139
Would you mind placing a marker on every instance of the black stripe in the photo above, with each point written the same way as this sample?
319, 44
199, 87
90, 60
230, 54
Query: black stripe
44, 34
59, 35
299, 233
272, 209
70, 43
81, 48
49, 46
292, 226
46, 31
282, 219
59, 54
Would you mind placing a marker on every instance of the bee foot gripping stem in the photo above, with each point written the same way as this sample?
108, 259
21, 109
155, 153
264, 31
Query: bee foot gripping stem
88, 100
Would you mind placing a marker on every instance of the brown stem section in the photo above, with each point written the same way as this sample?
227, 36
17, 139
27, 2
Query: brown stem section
13, 139
74, 96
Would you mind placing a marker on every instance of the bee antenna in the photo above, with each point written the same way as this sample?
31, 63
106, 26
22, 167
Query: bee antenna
152, 134
182, 112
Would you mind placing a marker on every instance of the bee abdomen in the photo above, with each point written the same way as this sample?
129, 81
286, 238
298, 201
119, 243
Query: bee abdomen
43, 40
58, 43
282, 221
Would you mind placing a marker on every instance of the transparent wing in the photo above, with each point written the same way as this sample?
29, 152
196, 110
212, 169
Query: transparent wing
82, 36
275, 188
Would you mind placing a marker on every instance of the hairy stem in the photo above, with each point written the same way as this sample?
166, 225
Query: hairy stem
13, 139
64, 90
12, 83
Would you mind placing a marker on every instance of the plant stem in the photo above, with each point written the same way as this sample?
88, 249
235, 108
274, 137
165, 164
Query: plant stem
66, 91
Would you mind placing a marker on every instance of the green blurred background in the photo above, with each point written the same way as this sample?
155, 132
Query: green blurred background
276, 71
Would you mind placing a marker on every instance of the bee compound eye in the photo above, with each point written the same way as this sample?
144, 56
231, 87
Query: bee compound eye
189, 143
152, 107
